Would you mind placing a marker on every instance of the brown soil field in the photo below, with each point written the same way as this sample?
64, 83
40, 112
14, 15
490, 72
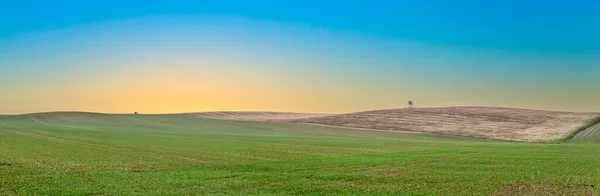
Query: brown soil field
481, 122
255, 116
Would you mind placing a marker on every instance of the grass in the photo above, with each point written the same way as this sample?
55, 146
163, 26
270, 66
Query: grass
589, 135
588, 126
98, 154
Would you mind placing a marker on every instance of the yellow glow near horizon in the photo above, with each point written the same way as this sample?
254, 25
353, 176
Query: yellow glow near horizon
163, 67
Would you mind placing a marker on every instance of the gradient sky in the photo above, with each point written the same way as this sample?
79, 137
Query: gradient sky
301, 56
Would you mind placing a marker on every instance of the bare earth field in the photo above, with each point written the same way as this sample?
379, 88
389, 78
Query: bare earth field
481, 122
255, 116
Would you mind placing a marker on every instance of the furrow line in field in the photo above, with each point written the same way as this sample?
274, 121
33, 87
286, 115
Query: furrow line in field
35, 119
594, 131
583, 134
590, 132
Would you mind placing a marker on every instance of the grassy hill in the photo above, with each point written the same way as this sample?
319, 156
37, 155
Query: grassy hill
589, 135
255, 116
100, 154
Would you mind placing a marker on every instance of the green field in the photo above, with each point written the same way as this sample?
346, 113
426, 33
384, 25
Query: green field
590, 135
99, 154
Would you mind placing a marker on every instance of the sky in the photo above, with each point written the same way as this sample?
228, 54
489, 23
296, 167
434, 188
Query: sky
297, 56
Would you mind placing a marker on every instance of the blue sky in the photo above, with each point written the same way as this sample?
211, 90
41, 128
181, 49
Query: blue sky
533, 26
333, 56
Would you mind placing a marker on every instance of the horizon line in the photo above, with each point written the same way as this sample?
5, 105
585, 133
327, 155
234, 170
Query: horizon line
249, 111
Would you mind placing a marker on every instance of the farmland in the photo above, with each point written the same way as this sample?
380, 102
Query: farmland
590, 135
72, 153
482, 122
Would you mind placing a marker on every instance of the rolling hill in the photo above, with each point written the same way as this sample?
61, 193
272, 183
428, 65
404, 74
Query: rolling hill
74, 153
255, 116
481, 122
